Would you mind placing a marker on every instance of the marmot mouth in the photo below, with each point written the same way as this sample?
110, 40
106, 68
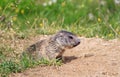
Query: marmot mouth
76, 44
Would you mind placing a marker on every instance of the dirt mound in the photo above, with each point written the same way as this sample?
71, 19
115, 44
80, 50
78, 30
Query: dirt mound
94, 57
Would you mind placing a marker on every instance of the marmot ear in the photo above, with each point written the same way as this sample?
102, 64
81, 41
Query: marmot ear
54, 37
61, 34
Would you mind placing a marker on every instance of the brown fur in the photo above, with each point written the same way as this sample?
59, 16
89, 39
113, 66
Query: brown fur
53, 47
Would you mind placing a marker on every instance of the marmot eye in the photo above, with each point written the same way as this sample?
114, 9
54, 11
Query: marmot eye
70, 37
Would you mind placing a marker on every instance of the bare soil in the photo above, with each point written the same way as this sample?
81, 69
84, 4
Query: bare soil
94, 57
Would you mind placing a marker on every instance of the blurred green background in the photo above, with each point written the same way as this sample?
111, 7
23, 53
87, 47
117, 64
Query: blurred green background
90, 18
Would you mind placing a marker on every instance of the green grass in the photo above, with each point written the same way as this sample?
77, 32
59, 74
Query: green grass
74, 16
8, 67
21, 20
25, 62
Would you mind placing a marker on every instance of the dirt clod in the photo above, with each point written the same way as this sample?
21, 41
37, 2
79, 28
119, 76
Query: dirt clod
88, 55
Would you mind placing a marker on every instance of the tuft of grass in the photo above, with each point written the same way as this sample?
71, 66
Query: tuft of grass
8, 67
27, 61
12, 66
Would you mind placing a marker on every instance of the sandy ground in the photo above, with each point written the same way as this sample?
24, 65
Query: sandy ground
94, 57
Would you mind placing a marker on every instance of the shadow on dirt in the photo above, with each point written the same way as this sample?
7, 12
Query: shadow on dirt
69, 59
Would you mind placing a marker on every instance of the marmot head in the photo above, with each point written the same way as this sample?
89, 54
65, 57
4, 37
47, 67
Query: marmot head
66, 39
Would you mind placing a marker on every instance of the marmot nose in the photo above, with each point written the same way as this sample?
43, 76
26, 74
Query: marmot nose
78, 41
